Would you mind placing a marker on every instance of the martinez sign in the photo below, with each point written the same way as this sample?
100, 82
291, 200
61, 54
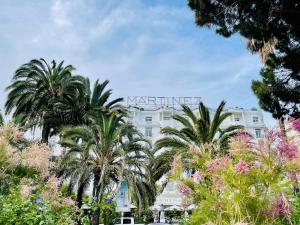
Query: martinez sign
149, 101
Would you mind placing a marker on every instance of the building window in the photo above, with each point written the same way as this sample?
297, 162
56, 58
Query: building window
167, 117
148, 118
237, 119
255, 119
258, 133
148, 131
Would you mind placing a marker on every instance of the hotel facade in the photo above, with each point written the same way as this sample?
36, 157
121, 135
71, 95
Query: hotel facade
150, 114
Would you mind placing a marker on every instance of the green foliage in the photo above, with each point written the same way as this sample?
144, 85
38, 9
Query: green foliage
198, 129
295, 217
28, 195
280, 97
249, 185
16, 210
272, 29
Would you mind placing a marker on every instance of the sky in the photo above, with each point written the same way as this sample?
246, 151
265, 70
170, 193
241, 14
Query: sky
144, 47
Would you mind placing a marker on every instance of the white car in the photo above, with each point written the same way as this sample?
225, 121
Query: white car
124, 220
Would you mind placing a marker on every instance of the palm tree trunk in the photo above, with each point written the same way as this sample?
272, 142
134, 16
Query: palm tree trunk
96, 215
45, 133
99, 194
95, 183
70, 188
80, 192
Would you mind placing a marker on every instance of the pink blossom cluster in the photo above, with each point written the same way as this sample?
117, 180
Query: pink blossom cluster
295, 123
218, 183
198, 176
206, 145
279, 207
217, 164
47, 195
241, 167
53, 182
272, 135
243, 137
185, 190
241, 141
11, 132
68, 201
288, 151
25, 190
37, 156
12, 155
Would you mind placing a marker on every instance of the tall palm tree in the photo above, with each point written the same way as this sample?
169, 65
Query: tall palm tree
111, 153
91, 101
36, 89
75, 165
197, 129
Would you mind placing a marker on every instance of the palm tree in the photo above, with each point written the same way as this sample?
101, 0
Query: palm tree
91, 101
75, 165
197, 130
36, 89
111, 153
138, 156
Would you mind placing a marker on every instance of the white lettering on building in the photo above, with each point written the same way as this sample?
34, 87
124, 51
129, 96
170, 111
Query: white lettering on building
152, 102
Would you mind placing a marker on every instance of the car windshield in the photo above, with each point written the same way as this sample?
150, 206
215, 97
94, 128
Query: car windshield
126, 221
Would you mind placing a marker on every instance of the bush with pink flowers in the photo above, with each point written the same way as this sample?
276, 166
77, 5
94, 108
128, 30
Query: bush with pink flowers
29, 193
255, 183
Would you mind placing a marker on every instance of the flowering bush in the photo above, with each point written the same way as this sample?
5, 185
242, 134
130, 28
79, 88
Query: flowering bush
29, 194
27, 207
256, 183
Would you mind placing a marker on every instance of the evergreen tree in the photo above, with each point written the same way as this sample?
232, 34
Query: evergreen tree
272, 29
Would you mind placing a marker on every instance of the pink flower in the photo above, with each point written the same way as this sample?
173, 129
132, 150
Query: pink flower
242, 140
212, 166
287, 150
217, 182
241, 167
206, 145
240, 223
198, 176
68, 201
183, 189
25, 191
46, 195
295, 123
217, 164
193, 161
257, 164
53, 183
243, 137
279, 207
223, 162
37, 156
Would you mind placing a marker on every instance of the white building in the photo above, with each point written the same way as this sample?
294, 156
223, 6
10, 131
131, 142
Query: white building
150, 118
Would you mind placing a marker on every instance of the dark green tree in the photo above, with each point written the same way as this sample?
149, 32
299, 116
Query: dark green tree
272, 29
37, 88
275, 95
107, 150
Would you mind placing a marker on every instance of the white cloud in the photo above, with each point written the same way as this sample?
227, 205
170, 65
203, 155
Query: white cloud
142, 48
59, 13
